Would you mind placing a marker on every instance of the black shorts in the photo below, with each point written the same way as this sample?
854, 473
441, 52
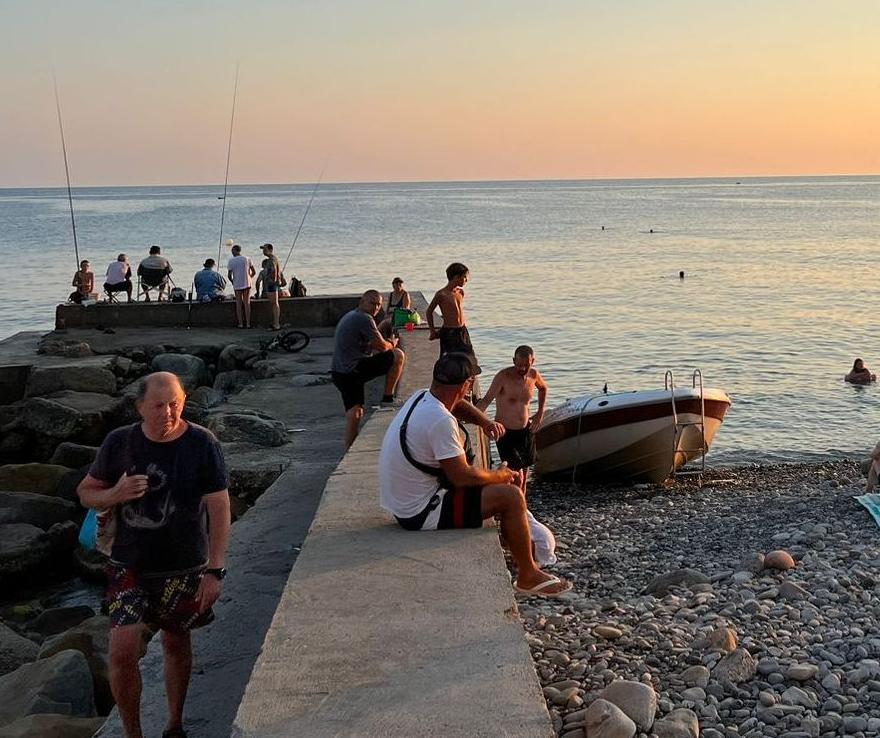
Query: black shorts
351, 384
462, 508
517, 447
457, 340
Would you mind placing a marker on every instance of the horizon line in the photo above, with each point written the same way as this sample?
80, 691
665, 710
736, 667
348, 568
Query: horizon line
449, 181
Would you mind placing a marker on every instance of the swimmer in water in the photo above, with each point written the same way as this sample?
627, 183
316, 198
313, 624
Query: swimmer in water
681, 275
860, 374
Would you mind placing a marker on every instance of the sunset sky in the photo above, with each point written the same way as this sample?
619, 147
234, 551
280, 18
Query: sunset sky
451, 90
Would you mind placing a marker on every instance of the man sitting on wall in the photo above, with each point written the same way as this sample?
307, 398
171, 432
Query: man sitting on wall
427, 482
208, 283
154, 271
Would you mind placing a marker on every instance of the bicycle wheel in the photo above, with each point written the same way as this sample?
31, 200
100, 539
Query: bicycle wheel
293, 341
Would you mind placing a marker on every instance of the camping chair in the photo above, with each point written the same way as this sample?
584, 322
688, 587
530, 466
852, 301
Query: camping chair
149, 279
111, 291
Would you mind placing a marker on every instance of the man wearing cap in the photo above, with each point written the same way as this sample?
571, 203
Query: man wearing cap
361, 354
154, 271
272, 283
427, 482
208, 283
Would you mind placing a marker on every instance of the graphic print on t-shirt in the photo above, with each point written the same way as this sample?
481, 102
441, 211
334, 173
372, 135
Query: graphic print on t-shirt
153, 510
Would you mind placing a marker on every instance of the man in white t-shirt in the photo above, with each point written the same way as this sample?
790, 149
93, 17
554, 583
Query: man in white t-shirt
241, 272
427, 482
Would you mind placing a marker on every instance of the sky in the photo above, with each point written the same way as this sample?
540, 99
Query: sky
411, 90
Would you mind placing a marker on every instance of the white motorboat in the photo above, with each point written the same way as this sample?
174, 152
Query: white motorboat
638, 436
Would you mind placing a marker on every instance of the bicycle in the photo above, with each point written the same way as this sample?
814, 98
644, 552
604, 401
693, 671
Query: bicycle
290, 340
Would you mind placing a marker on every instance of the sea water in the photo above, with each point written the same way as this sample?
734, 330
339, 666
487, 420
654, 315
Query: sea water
779, 295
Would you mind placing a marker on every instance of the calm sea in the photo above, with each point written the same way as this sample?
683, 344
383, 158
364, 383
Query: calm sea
780, 293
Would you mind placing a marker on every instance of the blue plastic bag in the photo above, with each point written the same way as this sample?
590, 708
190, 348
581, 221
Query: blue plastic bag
88, 533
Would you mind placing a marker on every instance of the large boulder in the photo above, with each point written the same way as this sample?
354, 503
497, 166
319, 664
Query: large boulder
638, 701
59, 684
42, 511
42, 479
82, 416
52, 726
15, 650
23, 548
206, 397
69, 349
237, 356
92, 639
191, 370
232, 382
73, 455
78, 378
56, 620
247, 427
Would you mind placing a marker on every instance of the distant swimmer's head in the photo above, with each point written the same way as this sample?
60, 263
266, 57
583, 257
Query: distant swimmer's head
154, 250
681, 275
523, 359
458, 274
858, 365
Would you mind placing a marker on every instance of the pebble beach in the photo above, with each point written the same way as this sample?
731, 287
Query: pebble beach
743, 607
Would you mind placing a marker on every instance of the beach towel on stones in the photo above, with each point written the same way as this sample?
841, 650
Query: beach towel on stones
872, 504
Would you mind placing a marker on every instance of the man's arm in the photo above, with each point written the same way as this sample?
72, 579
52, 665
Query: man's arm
467, 413
543, 391
100, 495
462, 474
217, 507
429, 315
494, 389
251, 268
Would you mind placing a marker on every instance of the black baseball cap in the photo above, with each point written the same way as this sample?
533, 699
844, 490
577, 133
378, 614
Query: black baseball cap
455, 368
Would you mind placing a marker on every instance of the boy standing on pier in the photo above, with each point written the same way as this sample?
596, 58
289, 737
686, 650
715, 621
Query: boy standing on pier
454, 336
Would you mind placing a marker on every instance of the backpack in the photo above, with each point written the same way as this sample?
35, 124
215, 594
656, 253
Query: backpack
177, 294
297, 288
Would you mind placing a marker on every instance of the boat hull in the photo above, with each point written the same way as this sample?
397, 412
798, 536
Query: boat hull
632, 438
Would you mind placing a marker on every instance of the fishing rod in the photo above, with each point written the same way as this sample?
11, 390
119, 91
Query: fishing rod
228, 155
66, 171
302, 222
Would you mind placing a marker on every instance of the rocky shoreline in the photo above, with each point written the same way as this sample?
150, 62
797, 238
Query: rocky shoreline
682, 623
53, 659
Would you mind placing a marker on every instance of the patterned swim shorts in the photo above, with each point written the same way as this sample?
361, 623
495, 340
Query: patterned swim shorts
166, 603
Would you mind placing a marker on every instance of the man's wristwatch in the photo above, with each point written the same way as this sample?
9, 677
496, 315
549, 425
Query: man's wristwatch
219, 573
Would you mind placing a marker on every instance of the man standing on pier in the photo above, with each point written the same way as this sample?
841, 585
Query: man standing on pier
361, 354
163, 482
512, 390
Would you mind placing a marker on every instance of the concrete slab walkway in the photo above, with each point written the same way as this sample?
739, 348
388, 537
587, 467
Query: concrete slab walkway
381, 632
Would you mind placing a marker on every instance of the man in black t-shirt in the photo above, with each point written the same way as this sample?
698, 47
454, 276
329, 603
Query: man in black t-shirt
163, 482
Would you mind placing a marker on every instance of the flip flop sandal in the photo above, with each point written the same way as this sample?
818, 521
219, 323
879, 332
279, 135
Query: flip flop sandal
540, 589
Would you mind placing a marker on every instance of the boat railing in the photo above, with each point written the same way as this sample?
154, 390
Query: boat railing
680, 427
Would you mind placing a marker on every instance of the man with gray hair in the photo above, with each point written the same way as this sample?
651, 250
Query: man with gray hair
163, 482
361, 354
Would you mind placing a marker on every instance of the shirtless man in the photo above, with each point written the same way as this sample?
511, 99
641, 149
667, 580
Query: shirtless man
454, 336
512, 390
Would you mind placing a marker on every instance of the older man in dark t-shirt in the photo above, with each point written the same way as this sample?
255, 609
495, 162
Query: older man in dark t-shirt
361, 354
163, 482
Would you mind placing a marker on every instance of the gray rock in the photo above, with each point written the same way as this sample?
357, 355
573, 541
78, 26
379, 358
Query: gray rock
82, 416
191, 370
309, 380
246, 427
206, 397
802, 672
91, 638
41, 479
232, 382
45, 381
791, 591
51, 726
608, 632
797, 696
15, 650
73, 455
60, 684
753, 563
694, 694
637, 700
696, 676
721, 639
237, 356
56, 620
678, 724
738, 666
660, 586
63, 537
604, 719
40, 510
67, 349
23, 549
